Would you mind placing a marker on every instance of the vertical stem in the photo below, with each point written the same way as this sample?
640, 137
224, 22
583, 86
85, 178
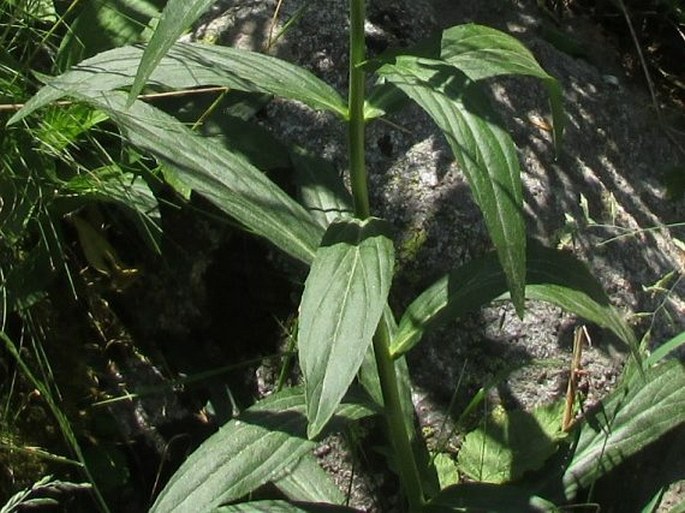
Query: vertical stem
399, 436
358, 177
406, 463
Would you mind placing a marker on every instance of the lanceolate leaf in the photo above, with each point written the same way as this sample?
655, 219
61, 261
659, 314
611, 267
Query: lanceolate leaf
191, 65
284, 507
244, 454
636, 414
307, 481
490, 498
552, 275
321, 187
483, 52
483, 149
342, 303
226, 179
176, 17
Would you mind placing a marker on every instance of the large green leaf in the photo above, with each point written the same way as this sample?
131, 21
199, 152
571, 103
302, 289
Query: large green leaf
307, 481
244, 454
176, 17
321, 187
284, 507
510, 443
552, 275
483, 149
482, 52
226, 179
487, 498
634, 415
344, 297
190, 65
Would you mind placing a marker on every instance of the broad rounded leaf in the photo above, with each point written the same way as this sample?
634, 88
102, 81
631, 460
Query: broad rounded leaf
344, 297
485, 153
552, 275
190, 65
511, 443
228, 180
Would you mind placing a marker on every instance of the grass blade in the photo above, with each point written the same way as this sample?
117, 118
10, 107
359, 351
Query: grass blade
176, 17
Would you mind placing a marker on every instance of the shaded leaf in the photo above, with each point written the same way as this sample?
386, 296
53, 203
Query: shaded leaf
189, 65
511, 443
664, 349
226, 179
636, 414
552, 275
483, 149
284, 507
99, 25
244, 454
321, 188
176, 17
487, 498
344, 297
482, 52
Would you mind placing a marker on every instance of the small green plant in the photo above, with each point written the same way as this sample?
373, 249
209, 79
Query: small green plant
347, 335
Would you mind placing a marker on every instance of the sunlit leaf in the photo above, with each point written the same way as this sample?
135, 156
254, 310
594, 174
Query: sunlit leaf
226, 179
483, 52
552, 275
637, 413
176, 17
307, 481
344, 297
189, 65
483, 149
244, 454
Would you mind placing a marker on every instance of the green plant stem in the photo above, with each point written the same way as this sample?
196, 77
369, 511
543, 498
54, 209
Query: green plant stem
358, 177
409, 473
406, 463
